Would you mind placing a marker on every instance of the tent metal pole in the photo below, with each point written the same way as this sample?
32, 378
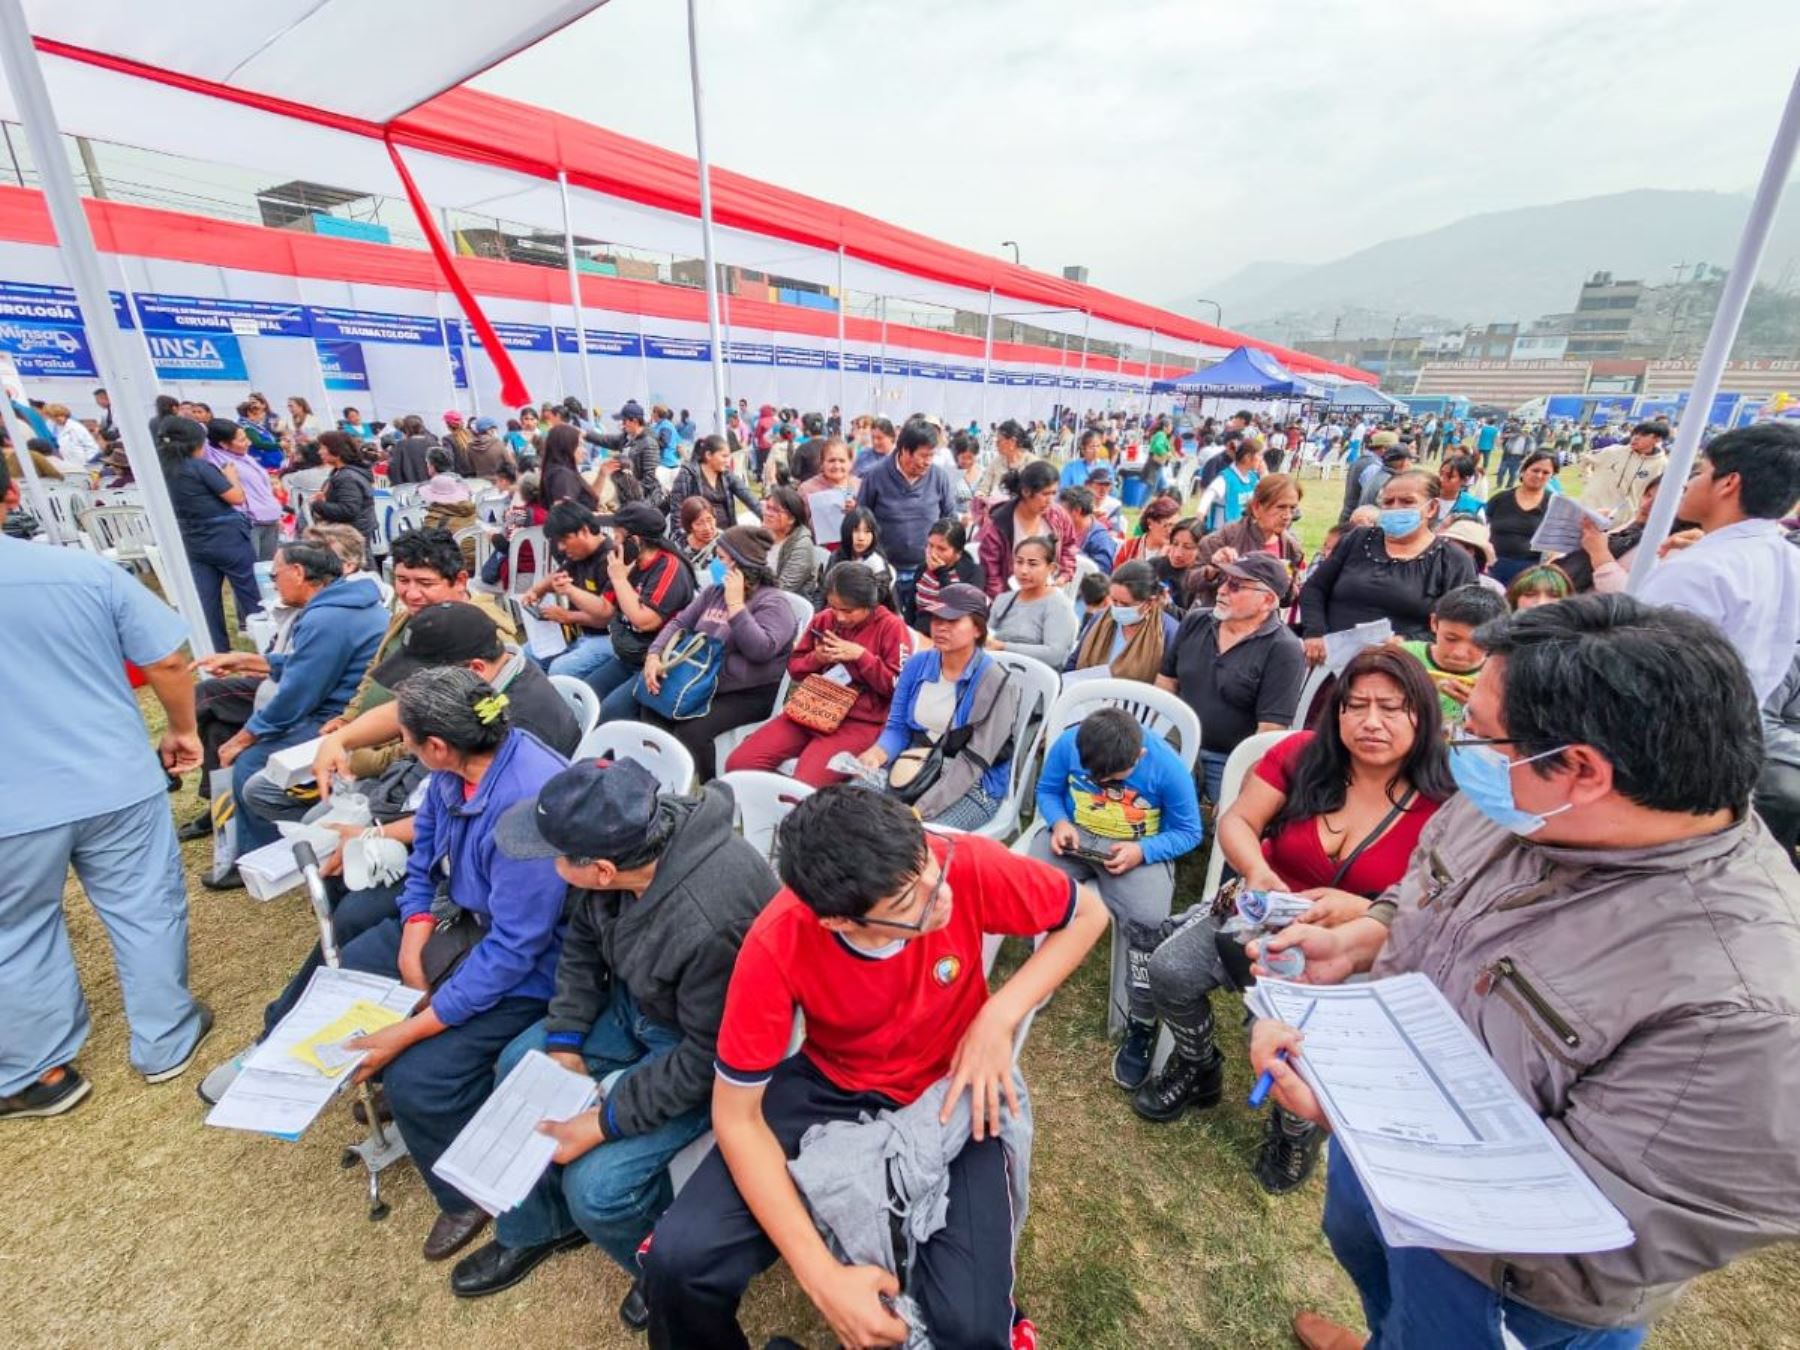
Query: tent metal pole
706, 220
987, 361
881, 373
581, 347
1711, 370
132, 383
1149, 361
843, 298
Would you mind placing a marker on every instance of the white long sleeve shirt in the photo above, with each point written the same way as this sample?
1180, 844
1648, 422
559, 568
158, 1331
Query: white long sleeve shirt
1746, 579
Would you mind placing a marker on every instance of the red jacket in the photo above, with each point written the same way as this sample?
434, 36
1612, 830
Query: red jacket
883, 638
996, 545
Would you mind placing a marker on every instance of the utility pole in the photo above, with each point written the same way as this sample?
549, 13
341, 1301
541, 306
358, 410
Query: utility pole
91, 166
1392, 338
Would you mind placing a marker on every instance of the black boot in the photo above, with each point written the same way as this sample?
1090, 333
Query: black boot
1183, 1083
1193, 1077
1290, 1151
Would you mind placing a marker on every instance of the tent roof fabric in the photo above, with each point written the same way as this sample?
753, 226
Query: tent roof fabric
1247, 371
285, 49
478, 152
1363, 396
149, 232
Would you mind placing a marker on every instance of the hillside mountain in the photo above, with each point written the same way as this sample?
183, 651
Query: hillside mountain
1502, 266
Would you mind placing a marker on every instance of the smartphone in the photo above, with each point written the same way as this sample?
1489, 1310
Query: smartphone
1092, 855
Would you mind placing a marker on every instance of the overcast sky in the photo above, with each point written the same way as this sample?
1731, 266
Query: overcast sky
1166, 143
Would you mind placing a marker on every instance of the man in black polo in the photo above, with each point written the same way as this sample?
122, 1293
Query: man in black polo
1237, 665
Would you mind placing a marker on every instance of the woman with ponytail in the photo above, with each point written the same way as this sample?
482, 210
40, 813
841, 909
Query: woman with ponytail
215, 533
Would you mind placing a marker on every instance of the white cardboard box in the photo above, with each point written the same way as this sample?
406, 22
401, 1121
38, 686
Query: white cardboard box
293, 766
270, 871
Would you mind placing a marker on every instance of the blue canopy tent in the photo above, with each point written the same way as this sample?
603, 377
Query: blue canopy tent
1362, 397
1248, 372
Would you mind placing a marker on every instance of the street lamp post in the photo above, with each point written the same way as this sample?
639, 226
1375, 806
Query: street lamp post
1007, 243
1218, 310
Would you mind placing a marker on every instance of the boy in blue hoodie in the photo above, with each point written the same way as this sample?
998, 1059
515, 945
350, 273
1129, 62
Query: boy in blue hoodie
1118, 809
340, 625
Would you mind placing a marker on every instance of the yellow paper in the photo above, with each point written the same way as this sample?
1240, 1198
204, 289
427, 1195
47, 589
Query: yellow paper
359, 1019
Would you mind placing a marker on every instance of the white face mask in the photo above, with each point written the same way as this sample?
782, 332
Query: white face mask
1125, 615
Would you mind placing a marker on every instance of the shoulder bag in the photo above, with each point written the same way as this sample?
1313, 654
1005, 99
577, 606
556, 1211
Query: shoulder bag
690, 677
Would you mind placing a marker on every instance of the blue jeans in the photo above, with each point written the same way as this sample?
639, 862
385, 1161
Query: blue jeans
614, 1193
130, 867
252, 830
1413, 1299
1212, 774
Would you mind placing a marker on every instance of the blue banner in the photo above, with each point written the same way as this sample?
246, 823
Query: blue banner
214, 357
660, 348
806, 358
357, 325
749, 354
47, 349
193, 313
600, 342
459, 370
53, 305
856, 363
517, 337
343, 365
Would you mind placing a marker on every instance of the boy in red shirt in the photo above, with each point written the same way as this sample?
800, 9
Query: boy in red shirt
876, 939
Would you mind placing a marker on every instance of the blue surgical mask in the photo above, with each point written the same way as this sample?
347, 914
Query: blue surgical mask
1484, 776
1125, 615
1399, 523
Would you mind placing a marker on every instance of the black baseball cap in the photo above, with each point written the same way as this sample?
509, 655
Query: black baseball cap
632, 411
1265, 570
450, 633
639, 519
594, 809
957, 599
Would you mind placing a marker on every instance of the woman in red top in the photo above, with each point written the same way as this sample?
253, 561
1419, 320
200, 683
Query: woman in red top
1332, 815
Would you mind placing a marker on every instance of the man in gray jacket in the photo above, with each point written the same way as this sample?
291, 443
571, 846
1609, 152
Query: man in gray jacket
1610, 918
661, 895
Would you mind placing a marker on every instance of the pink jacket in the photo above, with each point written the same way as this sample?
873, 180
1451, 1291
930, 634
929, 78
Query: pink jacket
996, 544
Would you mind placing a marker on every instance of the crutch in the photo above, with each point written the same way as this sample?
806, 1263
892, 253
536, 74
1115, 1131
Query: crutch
383, 1147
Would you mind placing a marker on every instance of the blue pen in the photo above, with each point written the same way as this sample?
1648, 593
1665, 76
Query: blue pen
1265, 1080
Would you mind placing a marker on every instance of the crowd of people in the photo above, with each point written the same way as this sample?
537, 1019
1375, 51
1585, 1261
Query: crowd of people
1584, 802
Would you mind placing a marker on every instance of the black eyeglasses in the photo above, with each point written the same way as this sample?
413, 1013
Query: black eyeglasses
931, 901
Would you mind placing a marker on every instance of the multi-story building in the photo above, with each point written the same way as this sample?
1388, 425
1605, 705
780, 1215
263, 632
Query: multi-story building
1604, 315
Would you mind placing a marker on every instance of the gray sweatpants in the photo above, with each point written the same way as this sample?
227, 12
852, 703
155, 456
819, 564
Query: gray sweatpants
130, 866
1139, 901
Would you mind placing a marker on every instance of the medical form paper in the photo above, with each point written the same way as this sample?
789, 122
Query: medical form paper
500, 1155
1450, 1154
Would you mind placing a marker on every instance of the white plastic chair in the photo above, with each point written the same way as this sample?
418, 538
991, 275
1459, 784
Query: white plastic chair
762, 802
581, 698
490, 508
1309, 693
118, 533
484, 545
650, 746
518, 578
1038, 686
406, 519
1238, 764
